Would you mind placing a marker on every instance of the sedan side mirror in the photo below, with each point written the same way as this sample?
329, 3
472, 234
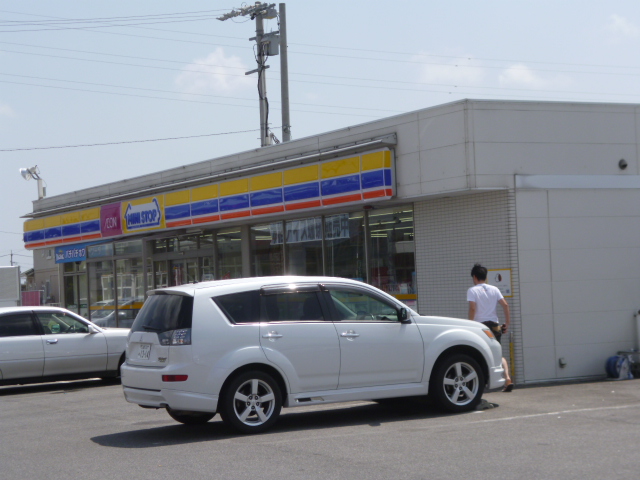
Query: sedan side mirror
403, 315
93, 329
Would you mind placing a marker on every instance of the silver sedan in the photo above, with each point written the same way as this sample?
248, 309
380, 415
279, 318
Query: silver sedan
43, 344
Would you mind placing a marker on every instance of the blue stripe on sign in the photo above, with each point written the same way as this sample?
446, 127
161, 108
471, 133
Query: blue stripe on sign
346, 184
372, 179
266, 197
73, 229
177, 212
204, 207
34, 236
387, 177
301, 192
235, 202
55, 232
91, 226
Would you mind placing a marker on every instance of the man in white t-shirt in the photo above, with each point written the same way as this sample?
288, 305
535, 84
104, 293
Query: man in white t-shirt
483, 300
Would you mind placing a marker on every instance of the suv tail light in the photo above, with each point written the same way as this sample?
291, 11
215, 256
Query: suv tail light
174, 378
175, 337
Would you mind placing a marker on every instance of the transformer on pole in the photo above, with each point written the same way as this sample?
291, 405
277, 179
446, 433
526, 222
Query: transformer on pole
268, 44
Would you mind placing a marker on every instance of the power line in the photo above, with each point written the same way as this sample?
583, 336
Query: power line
126, 142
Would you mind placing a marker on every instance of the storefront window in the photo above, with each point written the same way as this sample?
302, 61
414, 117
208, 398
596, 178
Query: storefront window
162, 277
266, 250
183, 244
184, 271
102, 294
304, 246
130, 290
392, 257
206, 269
229, 253
159, 246
344, 240
128, 247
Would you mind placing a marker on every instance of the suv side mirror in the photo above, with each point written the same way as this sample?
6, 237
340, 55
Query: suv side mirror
403, 315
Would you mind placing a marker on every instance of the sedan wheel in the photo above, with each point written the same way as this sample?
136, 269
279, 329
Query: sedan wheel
252, 402
457, 383
190, 418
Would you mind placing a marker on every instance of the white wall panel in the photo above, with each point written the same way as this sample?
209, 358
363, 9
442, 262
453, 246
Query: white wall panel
537, 331
535, 266
539, 363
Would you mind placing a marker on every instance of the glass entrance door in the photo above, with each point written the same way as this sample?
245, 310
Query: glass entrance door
184, 271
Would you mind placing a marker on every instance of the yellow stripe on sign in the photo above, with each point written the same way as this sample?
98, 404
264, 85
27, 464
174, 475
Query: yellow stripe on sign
376, 160
301, 175
234, 187
33, 225
53, 221
69, 218
204, 193
90, 214
270, 180
341, 167
177, 198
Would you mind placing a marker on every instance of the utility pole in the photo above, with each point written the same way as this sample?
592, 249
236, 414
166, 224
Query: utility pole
284, 74
268, 45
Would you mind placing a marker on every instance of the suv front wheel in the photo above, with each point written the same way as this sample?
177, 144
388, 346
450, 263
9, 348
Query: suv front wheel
251, 403
457, 383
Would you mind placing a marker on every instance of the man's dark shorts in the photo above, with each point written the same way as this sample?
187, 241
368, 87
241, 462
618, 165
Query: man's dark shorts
495, 329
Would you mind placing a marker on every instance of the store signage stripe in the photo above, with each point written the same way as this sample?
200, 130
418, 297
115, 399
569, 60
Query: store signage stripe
179, 223
207, 219
302, 191
177, 212
235, 202
266, 197
205, 207
343, 199
229, 216
266, 210
347, 180
303, 205
340, 185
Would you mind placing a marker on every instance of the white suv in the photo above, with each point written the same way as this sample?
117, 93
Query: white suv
247, 347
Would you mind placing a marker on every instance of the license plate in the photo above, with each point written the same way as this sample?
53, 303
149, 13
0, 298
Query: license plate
145, 351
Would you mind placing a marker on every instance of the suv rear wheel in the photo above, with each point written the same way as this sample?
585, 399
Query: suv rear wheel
251, 403
457, 383
190, 418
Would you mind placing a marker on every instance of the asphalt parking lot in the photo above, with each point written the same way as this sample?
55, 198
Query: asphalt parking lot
85, 430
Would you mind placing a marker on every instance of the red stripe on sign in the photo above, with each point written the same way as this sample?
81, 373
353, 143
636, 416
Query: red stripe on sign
36, 245
389, 192
301, 205
179, 223
347, 198
54, 242
227, 216
262, 211
374, 194
207, 219
72, 240
93, 236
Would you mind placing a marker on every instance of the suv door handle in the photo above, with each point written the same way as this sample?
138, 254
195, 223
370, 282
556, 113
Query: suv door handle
52, 341
272, 335
350, 334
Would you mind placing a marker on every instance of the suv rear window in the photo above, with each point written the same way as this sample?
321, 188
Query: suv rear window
241, 307
162, 313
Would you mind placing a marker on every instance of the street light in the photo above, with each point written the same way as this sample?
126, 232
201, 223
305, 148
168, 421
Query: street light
34, 172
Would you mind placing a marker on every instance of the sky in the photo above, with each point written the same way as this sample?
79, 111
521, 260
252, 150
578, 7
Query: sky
97, 92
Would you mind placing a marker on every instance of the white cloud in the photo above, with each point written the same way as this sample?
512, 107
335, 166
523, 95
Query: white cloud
458, 71
521, 76
5, 111
621, 27
217, 73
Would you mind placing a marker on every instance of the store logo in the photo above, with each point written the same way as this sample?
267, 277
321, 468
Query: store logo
146, 215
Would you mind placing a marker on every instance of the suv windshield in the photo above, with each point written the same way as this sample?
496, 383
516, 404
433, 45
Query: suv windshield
162, 313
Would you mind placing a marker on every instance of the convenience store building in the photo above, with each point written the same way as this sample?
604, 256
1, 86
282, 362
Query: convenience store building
544, 194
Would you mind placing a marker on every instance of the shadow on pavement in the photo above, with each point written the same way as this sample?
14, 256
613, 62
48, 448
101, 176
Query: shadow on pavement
291, 420
54, 387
